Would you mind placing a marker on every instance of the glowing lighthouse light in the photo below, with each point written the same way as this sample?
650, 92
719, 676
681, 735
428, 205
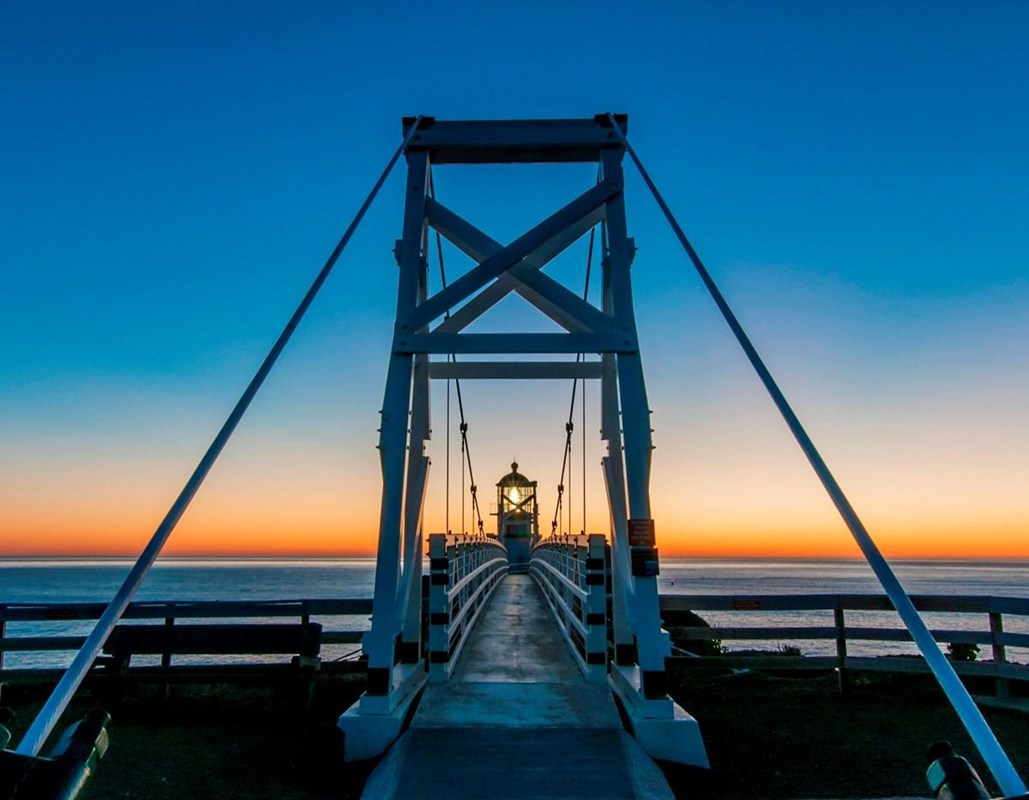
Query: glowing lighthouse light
517, 517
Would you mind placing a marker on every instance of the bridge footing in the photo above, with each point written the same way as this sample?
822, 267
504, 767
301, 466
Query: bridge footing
374, 722
661, 726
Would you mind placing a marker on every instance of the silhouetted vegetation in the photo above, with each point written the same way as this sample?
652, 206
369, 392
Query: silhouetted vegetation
697, 647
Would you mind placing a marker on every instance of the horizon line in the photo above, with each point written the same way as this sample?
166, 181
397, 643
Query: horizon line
367, 557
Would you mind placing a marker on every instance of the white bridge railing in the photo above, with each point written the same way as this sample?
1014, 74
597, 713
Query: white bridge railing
572, 571
463, 572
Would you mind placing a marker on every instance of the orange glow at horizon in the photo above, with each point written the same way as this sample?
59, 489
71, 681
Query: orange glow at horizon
221, 536
739, 492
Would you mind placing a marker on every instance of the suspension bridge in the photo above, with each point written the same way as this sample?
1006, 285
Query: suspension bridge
529, 663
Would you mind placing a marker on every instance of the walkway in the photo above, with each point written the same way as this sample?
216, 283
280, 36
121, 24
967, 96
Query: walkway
516, 720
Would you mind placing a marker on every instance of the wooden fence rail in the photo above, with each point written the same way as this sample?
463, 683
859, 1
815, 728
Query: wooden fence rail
170, 613
991, 611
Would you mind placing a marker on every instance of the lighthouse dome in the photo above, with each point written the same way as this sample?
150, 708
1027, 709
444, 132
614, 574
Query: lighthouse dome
514, 477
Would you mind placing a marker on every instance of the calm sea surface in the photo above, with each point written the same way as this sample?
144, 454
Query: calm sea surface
48, 581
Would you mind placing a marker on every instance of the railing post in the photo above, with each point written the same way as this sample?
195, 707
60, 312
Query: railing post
465, 558
596, 607
1003, 685
580, 553
841, 649
440, 563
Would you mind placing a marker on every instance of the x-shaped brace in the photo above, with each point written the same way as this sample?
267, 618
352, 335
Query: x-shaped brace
516, 267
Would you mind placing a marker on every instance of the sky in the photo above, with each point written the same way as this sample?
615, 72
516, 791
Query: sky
856, 178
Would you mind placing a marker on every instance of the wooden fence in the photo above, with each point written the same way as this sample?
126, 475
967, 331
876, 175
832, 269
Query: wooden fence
213, 612
986, 629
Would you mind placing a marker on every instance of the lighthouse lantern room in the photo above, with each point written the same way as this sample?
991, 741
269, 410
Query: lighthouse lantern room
517, 516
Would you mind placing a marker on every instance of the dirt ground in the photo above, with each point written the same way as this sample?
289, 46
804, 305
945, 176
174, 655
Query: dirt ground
767, 737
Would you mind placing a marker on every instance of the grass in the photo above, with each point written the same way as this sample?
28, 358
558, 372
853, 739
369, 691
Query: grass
767, 737
216, 742
785, 737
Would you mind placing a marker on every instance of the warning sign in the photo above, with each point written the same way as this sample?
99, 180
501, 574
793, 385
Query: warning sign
641, 533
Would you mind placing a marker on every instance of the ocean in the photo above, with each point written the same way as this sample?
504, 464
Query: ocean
50, 581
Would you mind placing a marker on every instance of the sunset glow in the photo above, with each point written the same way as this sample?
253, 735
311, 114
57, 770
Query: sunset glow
174, 183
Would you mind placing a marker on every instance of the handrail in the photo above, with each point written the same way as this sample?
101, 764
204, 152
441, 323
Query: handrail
464, 571
572, 587
571, 571
477, 581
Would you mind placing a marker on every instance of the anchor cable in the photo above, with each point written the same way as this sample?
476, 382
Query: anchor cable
971, 717
35, 737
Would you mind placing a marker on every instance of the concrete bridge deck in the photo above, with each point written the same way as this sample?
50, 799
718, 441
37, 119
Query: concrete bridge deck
517, 719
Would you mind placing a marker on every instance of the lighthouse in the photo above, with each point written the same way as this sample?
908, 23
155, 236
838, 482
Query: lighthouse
517, 517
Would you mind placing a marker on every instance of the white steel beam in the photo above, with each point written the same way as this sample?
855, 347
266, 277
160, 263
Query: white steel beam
515, 370
623, 604
652, 642
409, 596
515, 141
568, 343
393, 441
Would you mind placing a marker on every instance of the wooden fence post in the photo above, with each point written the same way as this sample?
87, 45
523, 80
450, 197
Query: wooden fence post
841, 649
163, 688
1003, 685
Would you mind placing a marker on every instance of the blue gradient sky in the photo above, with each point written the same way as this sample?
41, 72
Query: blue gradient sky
857, 179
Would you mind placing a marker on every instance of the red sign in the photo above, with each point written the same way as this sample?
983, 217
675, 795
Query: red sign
746, 605
641, 533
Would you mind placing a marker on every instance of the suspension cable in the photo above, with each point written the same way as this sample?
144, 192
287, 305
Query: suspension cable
48, 716
583, 434
448, 457
443, 280
985, 740
464, 445
566, 465
466, 456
